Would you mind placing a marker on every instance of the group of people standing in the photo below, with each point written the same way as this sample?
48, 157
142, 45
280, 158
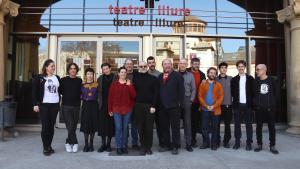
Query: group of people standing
146, 97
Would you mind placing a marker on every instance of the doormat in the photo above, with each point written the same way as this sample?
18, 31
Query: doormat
131, 152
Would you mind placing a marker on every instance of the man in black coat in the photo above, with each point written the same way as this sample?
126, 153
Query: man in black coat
242, 95
171, 92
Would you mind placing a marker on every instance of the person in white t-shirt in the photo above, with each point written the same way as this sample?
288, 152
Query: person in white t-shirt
46, 99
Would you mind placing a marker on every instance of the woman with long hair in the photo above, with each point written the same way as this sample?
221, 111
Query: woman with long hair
46, 99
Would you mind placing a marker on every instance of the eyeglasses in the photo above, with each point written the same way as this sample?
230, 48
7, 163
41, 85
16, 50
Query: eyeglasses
142, 66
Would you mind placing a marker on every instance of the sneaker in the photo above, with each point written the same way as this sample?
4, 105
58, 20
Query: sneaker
258, 148
175, 151
68, 148
248, 147
75, 148
274, 150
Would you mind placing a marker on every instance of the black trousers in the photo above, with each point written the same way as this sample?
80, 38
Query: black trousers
265, 115
144, 120
243, 113
71, 116
226, 117
48, 114
158, 128
195, 120
170, 118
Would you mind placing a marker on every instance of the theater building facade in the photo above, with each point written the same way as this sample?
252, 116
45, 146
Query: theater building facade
91, 32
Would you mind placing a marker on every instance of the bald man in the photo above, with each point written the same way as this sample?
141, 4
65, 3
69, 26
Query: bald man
190, 93
171, 95
265, 103
146, 87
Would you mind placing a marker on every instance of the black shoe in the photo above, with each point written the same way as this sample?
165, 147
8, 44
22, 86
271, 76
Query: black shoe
108, 148
189, 148
46, 152
236, 146
86, 148
248, 147
194, 143
91, 148
258, 148
124, 150
102, 149
135, 147
51, 150
119, 151
204, 146
164, 149
175, 151
274, 150
214, 147
226, 145
142, 152
149, 152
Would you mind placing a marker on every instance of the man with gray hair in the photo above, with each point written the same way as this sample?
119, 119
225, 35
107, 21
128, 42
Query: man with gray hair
128, 64
146, 87
265, 106
171, 95
190, 93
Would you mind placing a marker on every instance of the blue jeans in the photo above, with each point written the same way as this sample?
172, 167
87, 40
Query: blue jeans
210, 124
121, 129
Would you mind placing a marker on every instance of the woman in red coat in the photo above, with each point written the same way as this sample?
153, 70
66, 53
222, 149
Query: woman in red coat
120, 103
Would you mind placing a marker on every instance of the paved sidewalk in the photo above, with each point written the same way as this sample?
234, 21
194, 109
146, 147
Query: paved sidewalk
25, 152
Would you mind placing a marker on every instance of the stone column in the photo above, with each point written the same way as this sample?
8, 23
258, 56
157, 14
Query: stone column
11, 8
291, 16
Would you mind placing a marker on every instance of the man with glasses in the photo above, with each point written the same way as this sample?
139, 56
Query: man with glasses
130, 74
199, 77
146, 87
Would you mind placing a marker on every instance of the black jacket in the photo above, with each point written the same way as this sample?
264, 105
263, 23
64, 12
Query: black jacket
172, 91
38, 86
235, 90
146, 87
271, 96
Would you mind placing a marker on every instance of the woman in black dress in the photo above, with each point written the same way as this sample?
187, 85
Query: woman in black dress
89, 110
106, 125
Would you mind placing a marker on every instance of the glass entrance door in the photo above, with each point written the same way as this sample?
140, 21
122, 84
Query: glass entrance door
82, 51
115, 50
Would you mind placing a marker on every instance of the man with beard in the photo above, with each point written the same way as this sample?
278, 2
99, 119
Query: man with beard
199, 77
146, 87
171, 92
152, 71
211, 97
